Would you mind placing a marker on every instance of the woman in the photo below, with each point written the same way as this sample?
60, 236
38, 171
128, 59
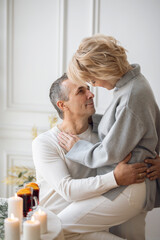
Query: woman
130, 123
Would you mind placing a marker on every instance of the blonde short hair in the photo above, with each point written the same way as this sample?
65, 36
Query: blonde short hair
98, 57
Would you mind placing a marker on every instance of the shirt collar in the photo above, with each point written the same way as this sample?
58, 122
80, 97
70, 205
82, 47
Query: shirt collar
128, 76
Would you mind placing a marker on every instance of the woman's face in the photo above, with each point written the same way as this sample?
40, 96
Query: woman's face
101, 83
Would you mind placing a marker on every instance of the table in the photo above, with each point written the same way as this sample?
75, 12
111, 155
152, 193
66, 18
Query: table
54, 226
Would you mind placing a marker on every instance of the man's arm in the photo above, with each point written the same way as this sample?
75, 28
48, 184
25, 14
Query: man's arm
52, 167
49, 163
153, 172
126, 174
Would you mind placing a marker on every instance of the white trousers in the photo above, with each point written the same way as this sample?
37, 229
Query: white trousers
104, 235
99, 214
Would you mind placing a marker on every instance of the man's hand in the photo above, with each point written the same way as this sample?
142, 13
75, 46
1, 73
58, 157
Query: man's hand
126, 174
153, 172
67, 141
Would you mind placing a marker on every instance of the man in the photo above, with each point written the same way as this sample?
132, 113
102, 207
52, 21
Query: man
64, 182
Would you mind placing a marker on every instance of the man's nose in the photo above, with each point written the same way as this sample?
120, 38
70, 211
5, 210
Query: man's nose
90, 94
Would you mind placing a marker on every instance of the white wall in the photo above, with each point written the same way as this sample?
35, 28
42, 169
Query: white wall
37, 40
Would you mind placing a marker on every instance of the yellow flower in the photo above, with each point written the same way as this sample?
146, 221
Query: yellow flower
53, 119
34, 132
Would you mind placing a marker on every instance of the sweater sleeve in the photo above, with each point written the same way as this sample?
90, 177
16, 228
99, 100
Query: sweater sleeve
121, 139
53, 169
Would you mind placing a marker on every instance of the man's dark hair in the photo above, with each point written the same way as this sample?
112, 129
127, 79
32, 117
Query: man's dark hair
59, 92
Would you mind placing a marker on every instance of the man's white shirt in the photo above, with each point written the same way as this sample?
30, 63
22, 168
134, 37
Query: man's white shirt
61, 180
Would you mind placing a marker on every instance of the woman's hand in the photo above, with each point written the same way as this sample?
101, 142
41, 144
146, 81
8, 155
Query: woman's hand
126, 174
153, 172
67, 141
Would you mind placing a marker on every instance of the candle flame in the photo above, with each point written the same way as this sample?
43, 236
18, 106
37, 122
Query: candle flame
12, 216
39, 211
15, 194
32, 219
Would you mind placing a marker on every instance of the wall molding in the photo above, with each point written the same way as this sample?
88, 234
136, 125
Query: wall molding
10, 105
13, 131
95, 16
61, 36
95, 26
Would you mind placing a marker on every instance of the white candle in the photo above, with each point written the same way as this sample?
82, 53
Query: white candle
12, 228
15, 206
42, 217
31, 230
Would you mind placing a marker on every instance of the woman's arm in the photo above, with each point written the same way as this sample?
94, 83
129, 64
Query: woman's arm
122, 138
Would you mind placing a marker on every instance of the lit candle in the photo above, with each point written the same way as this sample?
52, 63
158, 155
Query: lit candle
15, 206
12, 228
42, 217
31, 229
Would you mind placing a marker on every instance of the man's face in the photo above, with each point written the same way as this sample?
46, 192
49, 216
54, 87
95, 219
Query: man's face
80, 101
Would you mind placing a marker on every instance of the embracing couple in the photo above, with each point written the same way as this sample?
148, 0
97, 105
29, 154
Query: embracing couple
101, 185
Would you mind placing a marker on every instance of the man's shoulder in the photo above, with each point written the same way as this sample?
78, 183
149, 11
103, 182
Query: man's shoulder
45, 146
48, 137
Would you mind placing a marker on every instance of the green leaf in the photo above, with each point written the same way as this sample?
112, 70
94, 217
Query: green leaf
21, 174
30, 178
